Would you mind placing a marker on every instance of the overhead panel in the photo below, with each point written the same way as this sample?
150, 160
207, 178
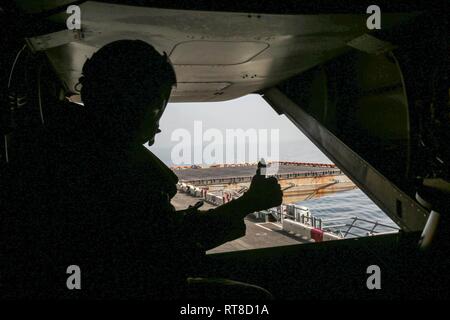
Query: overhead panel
251, 51
216, 52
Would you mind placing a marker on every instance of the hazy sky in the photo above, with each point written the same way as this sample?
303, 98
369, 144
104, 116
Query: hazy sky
248, 112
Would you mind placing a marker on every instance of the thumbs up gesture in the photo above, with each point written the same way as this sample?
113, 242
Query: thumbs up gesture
264, 193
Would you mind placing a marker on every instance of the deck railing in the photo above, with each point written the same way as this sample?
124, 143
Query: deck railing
342, 227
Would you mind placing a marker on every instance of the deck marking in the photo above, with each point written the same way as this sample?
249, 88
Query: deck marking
259, 225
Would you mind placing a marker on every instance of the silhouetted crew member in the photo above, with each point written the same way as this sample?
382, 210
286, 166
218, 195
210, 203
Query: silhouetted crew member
101, 200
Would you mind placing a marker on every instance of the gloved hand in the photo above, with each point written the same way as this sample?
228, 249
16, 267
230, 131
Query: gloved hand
264, 193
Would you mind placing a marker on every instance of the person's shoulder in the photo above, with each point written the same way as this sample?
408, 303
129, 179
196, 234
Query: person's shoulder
144, 157
154, 170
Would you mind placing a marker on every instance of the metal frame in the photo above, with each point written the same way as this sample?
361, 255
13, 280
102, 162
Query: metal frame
382, 191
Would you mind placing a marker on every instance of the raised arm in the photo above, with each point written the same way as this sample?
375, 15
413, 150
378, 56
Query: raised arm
216, 226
